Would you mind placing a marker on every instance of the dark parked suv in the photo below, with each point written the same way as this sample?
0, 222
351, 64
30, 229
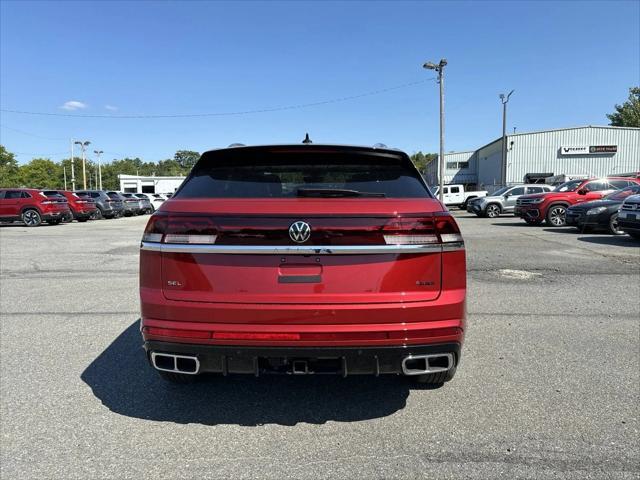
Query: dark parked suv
108, 207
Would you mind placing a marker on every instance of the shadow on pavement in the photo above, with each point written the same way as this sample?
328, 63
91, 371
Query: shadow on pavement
617, 240
124, 382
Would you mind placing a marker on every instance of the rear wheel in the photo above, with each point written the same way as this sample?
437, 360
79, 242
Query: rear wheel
436, 379
614, 228
97, 215
31, 218
556, 216
493, 210
180, 378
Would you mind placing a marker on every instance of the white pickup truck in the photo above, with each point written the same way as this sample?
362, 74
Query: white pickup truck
455, 195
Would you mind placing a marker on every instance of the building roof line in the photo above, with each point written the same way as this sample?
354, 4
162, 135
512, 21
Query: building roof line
554, 130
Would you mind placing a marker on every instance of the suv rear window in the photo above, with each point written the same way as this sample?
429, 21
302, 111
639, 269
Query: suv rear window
53, 194
282, 173
114, 195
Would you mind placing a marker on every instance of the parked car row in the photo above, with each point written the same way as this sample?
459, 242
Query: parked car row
33, 206
587, 204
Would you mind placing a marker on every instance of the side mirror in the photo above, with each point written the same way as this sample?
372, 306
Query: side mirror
582, 191
506, 195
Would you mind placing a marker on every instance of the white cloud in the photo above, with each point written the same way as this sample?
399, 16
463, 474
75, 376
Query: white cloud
111, 108
73, 105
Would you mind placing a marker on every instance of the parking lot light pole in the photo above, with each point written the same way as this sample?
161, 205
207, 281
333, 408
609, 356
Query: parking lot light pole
440, 69
99, 183
83, 146
73, 174
504, 99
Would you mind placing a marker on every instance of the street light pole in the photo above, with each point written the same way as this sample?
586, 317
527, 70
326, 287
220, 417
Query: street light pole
98, 153
83, 146
440, 69
73, 174
504, 99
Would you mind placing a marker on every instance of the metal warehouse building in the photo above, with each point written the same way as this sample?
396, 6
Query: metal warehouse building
589, 151
142, 184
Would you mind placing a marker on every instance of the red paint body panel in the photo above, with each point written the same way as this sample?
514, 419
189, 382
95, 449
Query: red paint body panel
329, 299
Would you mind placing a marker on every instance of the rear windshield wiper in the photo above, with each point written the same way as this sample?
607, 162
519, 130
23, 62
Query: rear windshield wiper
335, 192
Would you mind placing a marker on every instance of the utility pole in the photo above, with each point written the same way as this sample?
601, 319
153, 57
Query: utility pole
99, 184
73, 175
64, 174
504, 99
83, 146
440, 69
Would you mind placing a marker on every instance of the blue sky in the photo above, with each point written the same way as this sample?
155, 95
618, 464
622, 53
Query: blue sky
569, 63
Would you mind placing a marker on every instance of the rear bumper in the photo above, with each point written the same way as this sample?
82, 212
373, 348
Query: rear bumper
316, 360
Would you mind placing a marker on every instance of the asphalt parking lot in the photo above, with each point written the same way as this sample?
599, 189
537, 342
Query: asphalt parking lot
549, 385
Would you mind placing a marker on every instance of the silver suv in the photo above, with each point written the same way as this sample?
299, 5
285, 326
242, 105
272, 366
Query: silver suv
503, 200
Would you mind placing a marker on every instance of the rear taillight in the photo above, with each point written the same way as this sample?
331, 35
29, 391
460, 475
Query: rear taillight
180, 229
436, 228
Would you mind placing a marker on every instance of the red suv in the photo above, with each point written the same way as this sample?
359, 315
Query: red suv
552, 206
31, 206
82, 208
301, 259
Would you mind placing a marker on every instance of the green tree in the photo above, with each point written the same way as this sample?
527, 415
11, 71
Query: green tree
9, 170
186, 158
421, 160
627, 114
41, 173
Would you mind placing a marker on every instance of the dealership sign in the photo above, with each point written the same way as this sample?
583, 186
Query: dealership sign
591, 150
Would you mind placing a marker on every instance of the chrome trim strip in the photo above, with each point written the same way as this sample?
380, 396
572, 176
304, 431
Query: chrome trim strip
299, 249
452, 246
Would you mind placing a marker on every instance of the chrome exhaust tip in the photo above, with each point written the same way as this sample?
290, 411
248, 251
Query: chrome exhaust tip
168, 362
423, 364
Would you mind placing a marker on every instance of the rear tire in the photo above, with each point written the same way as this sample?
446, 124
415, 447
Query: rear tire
436, 379
31, 218
179, 378
97, 215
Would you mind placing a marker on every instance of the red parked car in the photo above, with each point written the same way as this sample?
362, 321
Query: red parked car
552, 206
82, 208
301, 259
31, 206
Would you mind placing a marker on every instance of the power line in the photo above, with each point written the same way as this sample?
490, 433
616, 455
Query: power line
32, 134
223, 114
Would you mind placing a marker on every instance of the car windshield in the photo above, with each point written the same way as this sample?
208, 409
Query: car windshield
287, 173
570, 186
500, 191
624, 193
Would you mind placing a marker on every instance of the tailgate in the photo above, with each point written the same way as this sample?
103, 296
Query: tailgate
256, 259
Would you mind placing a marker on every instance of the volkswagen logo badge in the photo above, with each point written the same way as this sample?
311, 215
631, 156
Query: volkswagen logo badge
300, 232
